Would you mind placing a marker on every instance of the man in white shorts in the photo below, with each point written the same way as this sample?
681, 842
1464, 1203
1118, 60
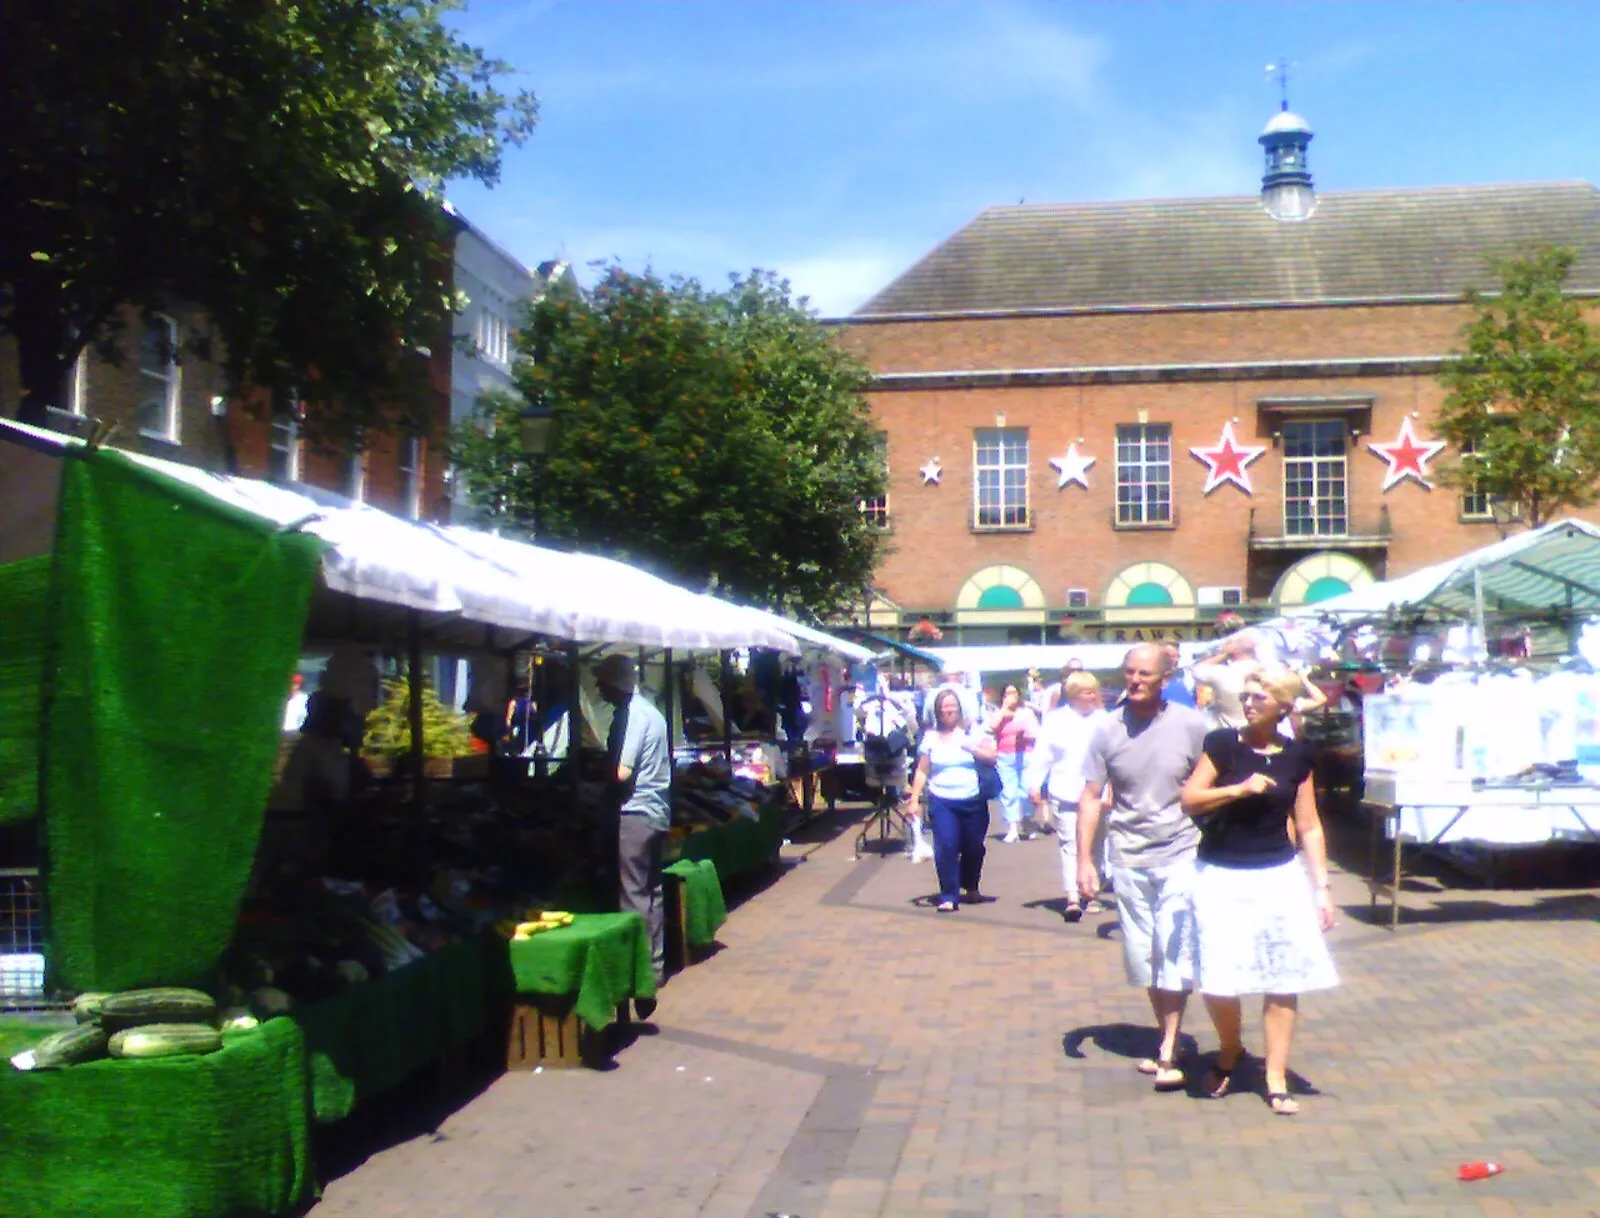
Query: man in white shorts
1145, 750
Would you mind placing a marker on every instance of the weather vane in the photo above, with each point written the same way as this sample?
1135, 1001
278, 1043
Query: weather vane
1281, 70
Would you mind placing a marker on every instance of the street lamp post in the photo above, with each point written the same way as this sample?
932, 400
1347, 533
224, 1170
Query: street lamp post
535, 424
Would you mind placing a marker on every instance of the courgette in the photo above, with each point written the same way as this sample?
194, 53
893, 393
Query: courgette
166, 1040
81, 1044
163, 1004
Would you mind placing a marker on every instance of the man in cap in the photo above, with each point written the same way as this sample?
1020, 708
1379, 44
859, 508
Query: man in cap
642, 768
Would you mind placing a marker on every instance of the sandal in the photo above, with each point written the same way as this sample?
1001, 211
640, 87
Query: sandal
1169, 1075
1219, 1081
1282, 1103
946, 907
1073, 913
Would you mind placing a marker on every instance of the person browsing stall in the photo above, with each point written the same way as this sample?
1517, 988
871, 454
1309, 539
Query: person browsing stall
1259, 918
947, 769
642, 766
1146, 750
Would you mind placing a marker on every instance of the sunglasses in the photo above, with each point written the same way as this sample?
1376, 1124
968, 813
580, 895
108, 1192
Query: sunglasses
1256, 697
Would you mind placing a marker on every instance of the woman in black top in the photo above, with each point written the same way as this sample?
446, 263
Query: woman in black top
1258, 923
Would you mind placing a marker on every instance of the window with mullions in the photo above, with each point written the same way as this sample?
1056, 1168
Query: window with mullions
283, 453
1475, 503
1315, 481
1000, 477
1144, 473
876, 509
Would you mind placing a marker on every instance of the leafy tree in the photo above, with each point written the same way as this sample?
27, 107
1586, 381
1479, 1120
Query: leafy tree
717, 437
273, 162
1524, 396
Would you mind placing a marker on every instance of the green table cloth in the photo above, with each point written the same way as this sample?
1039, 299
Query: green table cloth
371, 1037
602, 958
743, 845
703, 906
181, 1137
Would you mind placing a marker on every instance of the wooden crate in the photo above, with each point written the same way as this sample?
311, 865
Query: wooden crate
540, 1038
676, 915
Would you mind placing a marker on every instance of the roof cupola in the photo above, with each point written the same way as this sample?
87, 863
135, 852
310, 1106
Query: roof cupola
1286, 190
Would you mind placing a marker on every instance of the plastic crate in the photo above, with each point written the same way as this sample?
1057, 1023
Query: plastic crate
22, 941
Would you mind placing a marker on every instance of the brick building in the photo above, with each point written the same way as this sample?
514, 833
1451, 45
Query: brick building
1108, 421
165, 401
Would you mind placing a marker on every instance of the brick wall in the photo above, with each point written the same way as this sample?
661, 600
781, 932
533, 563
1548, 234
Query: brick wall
1073, 542
237, 439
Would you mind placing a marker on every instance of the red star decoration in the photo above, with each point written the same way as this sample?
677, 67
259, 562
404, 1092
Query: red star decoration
1226, 462
1407, 456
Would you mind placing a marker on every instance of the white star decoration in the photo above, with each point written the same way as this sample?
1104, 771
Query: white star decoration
1072, 468
930, 472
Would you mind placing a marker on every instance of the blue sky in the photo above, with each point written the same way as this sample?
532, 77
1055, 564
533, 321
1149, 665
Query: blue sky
836, 143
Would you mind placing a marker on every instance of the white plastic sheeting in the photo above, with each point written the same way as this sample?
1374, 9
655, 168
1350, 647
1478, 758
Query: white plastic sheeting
475, 577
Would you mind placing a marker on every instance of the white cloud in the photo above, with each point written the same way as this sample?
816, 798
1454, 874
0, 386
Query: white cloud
838, 281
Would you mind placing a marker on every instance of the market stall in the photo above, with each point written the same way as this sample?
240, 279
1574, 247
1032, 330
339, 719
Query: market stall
1487, 735
151, 801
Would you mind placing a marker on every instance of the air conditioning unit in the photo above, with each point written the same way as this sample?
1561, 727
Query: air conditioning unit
1219, 595
1077, 598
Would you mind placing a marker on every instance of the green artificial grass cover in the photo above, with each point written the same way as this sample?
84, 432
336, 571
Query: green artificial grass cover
600, 958
371, 1037
703, 907
24, 618
177, 622
742, 846
183, 1137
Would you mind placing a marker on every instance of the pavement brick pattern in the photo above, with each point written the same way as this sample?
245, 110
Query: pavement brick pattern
851, 1053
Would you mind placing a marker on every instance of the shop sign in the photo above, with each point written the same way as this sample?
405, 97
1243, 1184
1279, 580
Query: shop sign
1150, 634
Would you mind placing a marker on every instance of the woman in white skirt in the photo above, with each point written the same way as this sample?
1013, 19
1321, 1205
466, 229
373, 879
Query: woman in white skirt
1258, 921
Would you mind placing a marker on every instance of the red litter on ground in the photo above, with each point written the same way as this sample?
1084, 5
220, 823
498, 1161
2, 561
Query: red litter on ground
1478, 1171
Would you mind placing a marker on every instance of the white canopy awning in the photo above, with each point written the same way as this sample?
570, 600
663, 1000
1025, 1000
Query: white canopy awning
467, 580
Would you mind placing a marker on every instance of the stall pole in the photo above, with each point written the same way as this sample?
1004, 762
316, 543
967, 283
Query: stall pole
667, 695
1477, 613
414, 710
727, 711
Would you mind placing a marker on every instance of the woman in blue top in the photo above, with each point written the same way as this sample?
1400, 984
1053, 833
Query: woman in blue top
947, 767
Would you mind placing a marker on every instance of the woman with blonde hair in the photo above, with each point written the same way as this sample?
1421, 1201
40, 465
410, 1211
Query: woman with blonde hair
1258, 922
948, 757
1056, 768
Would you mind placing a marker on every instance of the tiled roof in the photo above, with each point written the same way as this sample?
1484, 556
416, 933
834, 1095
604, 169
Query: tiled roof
1359, 245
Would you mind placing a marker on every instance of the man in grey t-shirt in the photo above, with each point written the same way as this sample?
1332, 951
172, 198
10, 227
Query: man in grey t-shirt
1145, 750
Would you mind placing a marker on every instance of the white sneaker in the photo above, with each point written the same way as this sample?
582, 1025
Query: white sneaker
1012, 835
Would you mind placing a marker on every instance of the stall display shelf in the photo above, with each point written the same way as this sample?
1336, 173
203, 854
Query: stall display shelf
227, 1133
596, 963
1430, 812
700, 898
370, 1038
743, 846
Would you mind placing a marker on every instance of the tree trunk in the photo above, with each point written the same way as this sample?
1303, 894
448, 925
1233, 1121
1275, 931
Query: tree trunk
45, 354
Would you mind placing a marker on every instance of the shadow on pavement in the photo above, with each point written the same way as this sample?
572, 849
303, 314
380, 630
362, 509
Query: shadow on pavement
1571, 907
1133, 1041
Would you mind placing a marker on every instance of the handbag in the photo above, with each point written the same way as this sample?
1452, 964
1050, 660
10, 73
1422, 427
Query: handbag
989, 784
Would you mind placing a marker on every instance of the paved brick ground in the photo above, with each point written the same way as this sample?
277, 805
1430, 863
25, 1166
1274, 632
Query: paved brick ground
851, 1053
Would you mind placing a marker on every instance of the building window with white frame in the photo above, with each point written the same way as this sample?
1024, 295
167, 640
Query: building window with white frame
1000, 477
1315, 477
284, 445
1475, 501
159, 382
1144, 473
411, 476
876, 509
494, 336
